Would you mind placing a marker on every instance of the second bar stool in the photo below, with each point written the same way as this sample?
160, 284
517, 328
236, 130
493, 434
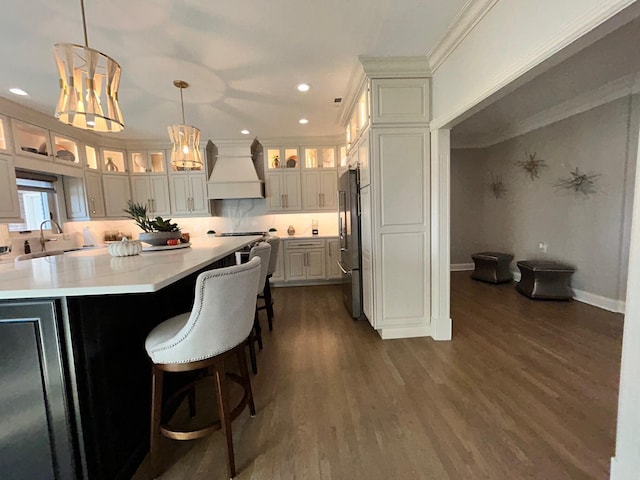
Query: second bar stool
215, 329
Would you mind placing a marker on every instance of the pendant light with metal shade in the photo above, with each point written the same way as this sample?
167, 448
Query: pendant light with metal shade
89, 82
185, 151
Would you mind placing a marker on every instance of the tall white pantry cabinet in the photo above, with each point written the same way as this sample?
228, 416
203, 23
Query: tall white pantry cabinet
395, 194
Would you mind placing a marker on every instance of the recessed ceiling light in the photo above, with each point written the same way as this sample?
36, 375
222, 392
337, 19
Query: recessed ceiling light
303, 87
18, 91
303, 121
245, 132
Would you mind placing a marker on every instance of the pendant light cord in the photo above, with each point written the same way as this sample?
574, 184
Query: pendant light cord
182, 103
84, 25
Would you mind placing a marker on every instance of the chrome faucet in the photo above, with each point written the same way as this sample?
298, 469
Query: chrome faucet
53, 222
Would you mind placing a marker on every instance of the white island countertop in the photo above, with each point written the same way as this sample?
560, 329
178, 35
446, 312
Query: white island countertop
95, 272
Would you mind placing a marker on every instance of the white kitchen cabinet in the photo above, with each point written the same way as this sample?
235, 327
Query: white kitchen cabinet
188, 193
83, 196
400, 100
152, 191
363, 160
4, 135
366, 267
320, 190
9, 206
283, 191
75, 198
333, 255
392, 149
95, 195
117, 194
304, 260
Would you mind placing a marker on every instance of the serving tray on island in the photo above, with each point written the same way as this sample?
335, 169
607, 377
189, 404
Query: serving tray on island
151, 248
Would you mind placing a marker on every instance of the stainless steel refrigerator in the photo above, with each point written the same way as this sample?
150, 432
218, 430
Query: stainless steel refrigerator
349, 234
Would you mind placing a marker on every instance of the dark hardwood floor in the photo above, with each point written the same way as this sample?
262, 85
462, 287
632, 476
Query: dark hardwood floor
526, 390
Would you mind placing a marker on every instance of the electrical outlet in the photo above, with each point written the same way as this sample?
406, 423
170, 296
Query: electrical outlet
542, 246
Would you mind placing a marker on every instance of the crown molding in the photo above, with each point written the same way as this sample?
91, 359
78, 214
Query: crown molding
356, 82
395, 67
467, 18
622, 87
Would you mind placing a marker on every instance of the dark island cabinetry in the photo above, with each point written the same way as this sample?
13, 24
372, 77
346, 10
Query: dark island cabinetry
36, 440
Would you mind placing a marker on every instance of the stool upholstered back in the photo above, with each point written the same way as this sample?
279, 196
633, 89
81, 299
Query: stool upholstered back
262, 250
221, 318
274, 241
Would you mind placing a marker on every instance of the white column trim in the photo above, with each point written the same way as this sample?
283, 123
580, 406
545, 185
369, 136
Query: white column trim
440, 234
574, 30
626, 464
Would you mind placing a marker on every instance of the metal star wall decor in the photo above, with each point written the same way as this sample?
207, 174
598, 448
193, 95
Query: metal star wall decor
532, 165
497, 187
579, 182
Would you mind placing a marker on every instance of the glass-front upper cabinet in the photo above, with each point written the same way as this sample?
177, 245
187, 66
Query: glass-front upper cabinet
31, 140
113, 161
320, 157
363, 109
344, 162
147, 161
65, 150
91, 155
282, 157
4, 139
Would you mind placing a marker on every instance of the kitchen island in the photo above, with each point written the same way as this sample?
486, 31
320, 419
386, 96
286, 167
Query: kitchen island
75, 377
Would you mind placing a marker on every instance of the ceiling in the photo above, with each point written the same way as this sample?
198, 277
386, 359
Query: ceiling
243, 59
596, 69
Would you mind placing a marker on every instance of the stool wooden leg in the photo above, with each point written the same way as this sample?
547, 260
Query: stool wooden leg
268, 301
225, 415
257, 328
252, 353
244, 372
157, 376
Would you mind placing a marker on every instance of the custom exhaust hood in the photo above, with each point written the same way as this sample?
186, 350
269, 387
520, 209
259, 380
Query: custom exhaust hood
237, 170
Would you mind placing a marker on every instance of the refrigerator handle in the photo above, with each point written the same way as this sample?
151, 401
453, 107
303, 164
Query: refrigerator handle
342, 269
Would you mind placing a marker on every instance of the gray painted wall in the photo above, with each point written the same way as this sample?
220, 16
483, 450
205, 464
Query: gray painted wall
589, 232
468, 168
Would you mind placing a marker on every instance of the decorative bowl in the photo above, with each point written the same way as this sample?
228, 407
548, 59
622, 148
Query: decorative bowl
158, 239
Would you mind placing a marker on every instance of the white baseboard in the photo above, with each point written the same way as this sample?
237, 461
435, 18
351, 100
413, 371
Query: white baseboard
610, 304
391, 333
461, 267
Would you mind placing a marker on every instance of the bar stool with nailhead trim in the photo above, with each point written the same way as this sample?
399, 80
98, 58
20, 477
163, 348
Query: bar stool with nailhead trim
216, 328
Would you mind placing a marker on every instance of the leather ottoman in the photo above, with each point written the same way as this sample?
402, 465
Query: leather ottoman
545, 280
492, 267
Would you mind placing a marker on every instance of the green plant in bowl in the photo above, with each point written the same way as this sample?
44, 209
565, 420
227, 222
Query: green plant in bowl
156, 231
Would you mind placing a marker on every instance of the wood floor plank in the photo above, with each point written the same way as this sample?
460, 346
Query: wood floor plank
526, 390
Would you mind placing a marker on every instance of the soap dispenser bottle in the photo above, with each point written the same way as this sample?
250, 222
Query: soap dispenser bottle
27, 247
